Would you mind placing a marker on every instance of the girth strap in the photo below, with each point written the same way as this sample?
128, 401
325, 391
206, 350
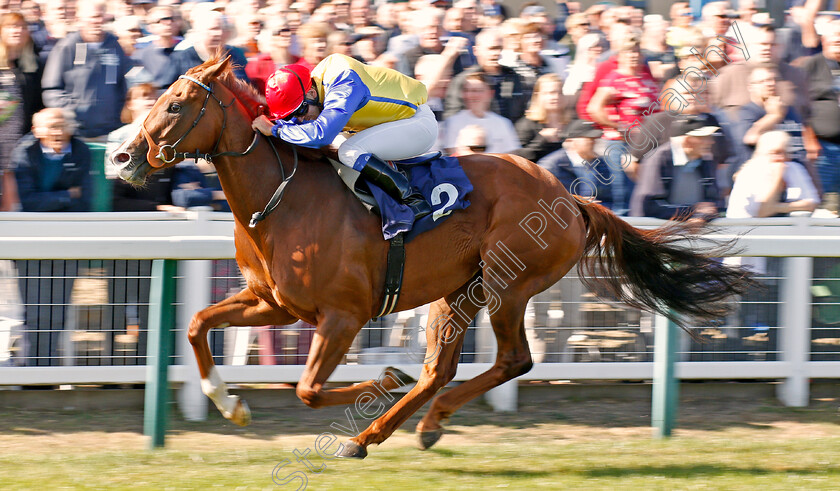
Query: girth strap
395, 266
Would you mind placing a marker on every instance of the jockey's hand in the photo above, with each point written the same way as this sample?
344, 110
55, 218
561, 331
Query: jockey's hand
262, 124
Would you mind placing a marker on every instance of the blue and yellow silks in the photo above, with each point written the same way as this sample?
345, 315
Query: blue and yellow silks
355, 97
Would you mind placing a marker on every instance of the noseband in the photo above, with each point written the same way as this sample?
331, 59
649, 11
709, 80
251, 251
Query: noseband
166, 149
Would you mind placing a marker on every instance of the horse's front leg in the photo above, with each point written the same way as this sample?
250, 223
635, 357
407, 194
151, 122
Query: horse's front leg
242, 309
332, 340
445, 331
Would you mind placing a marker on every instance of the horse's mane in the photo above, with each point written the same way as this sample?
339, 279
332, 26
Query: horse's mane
250, 97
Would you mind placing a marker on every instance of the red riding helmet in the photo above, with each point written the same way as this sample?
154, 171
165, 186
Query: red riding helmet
286, 89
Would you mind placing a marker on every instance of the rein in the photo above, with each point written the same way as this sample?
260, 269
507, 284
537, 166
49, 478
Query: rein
274, 201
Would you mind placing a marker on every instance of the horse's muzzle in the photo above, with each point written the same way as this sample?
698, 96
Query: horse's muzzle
131, 168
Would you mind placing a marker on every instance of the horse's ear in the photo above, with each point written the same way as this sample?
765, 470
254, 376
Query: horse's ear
217, 69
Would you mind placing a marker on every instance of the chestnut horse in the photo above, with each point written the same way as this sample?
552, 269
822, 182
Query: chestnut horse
320, 257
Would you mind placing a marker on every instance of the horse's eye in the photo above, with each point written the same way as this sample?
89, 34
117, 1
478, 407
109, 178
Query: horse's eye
174, 107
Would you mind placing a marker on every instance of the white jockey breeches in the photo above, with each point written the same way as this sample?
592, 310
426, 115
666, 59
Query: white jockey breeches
395, 140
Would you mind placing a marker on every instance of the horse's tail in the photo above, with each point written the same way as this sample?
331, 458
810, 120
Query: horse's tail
649, 270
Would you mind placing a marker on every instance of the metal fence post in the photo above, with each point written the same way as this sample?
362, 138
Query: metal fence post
665, 384
159, 349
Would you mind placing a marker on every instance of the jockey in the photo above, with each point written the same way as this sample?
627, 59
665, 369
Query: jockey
383, 109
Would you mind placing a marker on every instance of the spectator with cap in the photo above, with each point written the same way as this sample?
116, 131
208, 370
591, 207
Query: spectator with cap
537, 14
471, 10
716, 18
491, 18
509, 96
85, 73
493, 8
477, 96
155, 57
681, 17
581, 170
678, 179
540, 131
209, 37
657, 129
140, 8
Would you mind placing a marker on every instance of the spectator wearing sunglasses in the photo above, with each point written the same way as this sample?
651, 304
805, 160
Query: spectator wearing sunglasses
577, 26
155, 57
471, 139
276, 50
386, 109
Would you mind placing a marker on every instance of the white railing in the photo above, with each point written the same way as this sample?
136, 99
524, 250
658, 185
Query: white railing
195, 237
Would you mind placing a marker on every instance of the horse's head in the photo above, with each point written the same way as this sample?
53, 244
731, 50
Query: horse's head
186, 121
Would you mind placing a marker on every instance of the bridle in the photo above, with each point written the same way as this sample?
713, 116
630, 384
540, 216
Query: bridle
163, 149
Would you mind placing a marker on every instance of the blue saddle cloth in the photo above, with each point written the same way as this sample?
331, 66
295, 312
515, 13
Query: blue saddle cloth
442, 182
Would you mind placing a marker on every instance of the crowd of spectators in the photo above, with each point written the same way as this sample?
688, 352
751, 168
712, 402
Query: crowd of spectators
650, 114
498, 81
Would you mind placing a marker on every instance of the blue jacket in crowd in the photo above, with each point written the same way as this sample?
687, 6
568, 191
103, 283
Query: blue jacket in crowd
43, 183
89, 80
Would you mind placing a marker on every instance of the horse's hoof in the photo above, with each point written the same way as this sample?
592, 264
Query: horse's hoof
352, 450
241, 414
426, 439
402, 377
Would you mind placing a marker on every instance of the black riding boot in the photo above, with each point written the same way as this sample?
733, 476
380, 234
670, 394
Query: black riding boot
395, 184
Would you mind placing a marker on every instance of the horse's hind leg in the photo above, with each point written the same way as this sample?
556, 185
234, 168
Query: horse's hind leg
512, 360
447, 326
242, 309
